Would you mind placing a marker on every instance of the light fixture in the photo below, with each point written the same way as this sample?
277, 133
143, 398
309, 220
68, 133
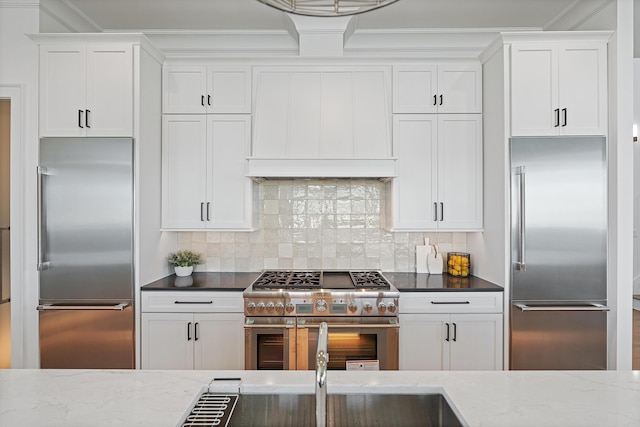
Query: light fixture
327, 7
635, 133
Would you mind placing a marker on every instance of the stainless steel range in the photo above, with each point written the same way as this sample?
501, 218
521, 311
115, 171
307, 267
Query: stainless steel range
283, 309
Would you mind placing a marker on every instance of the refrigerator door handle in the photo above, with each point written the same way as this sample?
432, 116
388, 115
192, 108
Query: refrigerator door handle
41, 263
520, 263
116, 307
586, 307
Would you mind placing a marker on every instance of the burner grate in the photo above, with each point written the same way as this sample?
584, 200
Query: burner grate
369, 280
211, 410
277, 279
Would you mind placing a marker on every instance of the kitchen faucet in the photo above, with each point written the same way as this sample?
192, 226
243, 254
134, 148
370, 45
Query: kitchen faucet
322, 359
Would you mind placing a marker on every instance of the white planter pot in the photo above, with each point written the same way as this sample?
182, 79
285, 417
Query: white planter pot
183, 271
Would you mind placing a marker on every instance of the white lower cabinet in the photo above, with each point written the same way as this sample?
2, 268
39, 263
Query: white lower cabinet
190, 337
451, 331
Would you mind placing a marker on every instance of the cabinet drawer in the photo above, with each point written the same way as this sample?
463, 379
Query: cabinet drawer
192, 302
451, 302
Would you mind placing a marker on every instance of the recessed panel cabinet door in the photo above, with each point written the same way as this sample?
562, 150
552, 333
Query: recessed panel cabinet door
109, 105
414, 88
167, 341
459, 88
184, 171
534, 89
184, 89
475, 342
422, 339
229, 89
219, 341
460, 171
229, 190
63, 88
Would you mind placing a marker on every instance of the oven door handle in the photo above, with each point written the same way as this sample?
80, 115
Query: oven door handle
249, 324
392, 324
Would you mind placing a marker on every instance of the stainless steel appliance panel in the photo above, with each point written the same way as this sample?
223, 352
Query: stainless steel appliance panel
87, 337
86, 219
559, 219
558, 337
270, 343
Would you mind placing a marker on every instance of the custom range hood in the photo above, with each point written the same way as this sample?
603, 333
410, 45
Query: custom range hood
321, 121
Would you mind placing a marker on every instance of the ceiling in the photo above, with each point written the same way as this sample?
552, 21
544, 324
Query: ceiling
253, 15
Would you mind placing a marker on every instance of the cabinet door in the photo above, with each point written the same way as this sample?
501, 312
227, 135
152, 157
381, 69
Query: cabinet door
583, 88
414, 89
184, 89
414, 189
219, 341
109, 104
459, 88
167, 341
184, 171
63, 83
229, 89
534, 89
476, 342
460, 171
229, 194
422, 342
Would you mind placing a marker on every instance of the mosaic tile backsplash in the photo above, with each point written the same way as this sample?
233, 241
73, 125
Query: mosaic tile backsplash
317, 224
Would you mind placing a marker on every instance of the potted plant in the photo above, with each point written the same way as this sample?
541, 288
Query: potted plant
183, 261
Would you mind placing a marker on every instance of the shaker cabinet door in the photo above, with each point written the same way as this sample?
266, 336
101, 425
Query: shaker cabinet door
219, 341
167, 341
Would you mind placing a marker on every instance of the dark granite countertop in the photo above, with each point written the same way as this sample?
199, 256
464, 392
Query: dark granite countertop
424, 282
204, 281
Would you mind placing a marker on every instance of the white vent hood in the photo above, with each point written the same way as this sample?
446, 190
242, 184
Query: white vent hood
321, 121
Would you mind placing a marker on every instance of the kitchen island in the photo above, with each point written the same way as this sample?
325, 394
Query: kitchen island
159, 398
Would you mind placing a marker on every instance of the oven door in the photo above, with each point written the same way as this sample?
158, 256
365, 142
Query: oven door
350, 339
269, 343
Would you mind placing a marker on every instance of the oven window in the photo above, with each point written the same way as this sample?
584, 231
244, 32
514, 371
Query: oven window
345, 346
270, 351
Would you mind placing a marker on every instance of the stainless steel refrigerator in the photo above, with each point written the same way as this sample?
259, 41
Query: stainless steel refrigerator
558, 253
85, 253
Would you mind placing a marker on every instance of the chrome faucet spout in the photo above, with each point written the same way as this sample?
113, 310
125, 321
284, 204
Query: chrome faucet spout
322, 359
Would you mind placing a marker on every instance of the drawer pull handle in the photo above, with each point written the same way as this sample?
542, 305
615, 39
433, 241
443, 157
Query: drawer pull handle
449, 302
193, 302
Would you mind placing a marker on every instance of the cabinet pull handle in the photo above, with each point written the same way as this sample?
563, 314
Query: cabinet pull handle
455, 331
193, 302
86, 118
80, 119
557, 113
208, 204
449, 302
189, 331
435, 99
209, 100
564, 117
201, 211
447, 338
435, 211
440, 99
441, 211
202, 100
195, 328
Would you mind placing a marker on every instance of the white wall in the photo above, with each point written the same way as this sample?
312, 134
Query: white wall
636, 176
19, 75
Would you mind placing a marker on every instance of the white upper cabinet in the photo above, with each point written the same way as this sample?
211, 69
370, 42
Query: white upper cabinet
195, 89
322, 112
86, 89
203, 172
439, 173
558, 88
441, 88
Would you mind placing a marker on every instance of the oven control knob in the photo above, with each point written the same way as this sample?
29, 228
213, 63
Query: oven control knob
321, 305
260, 307
392, 307
251, 307
353, 307
382, 307
289, 307
270, 307
279, 308
368, 307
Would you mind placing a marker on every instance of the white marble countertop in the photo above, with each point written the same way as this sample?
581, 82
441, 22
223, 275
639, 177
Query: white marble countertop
159, 398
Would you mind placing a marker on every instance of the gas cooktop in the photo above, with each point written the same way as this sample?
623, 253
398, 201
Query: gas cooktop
292, 280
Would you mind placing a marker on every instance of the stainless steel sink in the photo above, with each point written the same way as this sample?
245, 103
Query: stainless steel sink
353, 410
